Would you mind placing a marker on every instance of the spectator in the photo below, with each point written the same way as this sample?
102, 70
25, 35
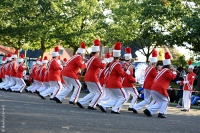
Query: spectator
194, 98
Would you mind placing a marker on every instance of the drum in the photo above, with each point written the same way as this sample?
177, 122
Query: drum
140, 72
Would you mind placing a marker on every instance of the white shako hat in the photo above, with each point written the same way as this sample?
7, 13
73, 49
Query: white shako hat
81, 50
55, 52
117, 49
9, 57
107, 57
154, 57
128, 54
15, 54
3, 60
21, 59
45, 60
96, 46
190, 64
167, 60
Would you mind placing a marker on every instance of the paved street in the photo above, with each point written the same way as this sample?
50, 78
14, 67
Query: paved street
28, 113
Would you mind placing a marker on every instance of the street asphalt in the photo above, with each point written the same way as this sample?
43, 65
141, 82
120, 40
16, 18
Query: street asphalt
28, 113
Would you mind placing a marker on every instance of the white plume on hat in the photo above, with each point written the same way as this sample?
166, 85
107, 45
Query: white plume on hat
96, 46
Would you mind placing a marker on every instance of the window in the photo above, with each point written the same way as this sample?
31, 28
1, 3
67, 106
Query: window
60, 51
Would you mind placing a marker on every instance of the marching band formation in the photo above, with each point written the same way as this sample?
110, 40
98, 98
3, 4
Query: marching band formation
109, 82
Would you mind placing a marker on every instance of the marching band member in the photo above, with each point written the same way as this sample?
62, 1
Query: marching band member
32, 75
128, 80
91, 78
13, 71
118, 94
42, 75
7, 71
69, 75
159, 89
54, 70
20, 85
103, 75
37, 83
150, 74
2, 70
188, 87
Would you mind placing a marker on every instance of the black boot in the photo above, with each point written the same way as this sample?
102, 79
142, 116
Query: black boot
160, 115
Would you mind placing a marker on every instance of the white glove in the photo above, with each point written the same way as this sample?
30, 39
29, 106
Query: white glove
128, 72
174, 72
61, 67
136, 80
178, 82
185, 82
103, 61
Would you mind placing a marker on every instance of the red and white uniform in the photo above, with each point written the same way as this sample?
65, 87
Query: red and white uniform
7, 74
103, 77
54, 71
42, 77
127, 83
37, 83
150, 75
32, 72
159, 91
187, 89
13, 72
2, 71
69, 75
20, 85
92, 81
114, 83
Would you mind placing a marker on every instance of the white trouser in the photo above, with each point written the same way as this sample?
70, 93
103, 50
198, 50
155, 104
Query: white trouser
3, 81
105, 97
44, 87
31, 86
161, 102
94, 95
187, 99
11, 83
37, 85
16, 86
134, 93
69, 83
118, 98
6, 81
55, 88
147, 98
20, 85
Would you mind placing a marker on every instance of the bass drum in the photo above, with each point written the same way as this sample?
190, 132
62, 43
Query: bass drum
140, 72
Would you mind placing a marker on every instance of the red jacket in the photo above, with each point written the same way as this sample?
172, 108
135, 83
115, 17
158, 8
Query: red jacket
161, 84
2, 72
128, 80
150, 75
93, 70
45, 78
7, 68
42, 71
190, 77
101, 76
115, 77
20, 71
72, 67
37, 73
54, 71
13, 68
